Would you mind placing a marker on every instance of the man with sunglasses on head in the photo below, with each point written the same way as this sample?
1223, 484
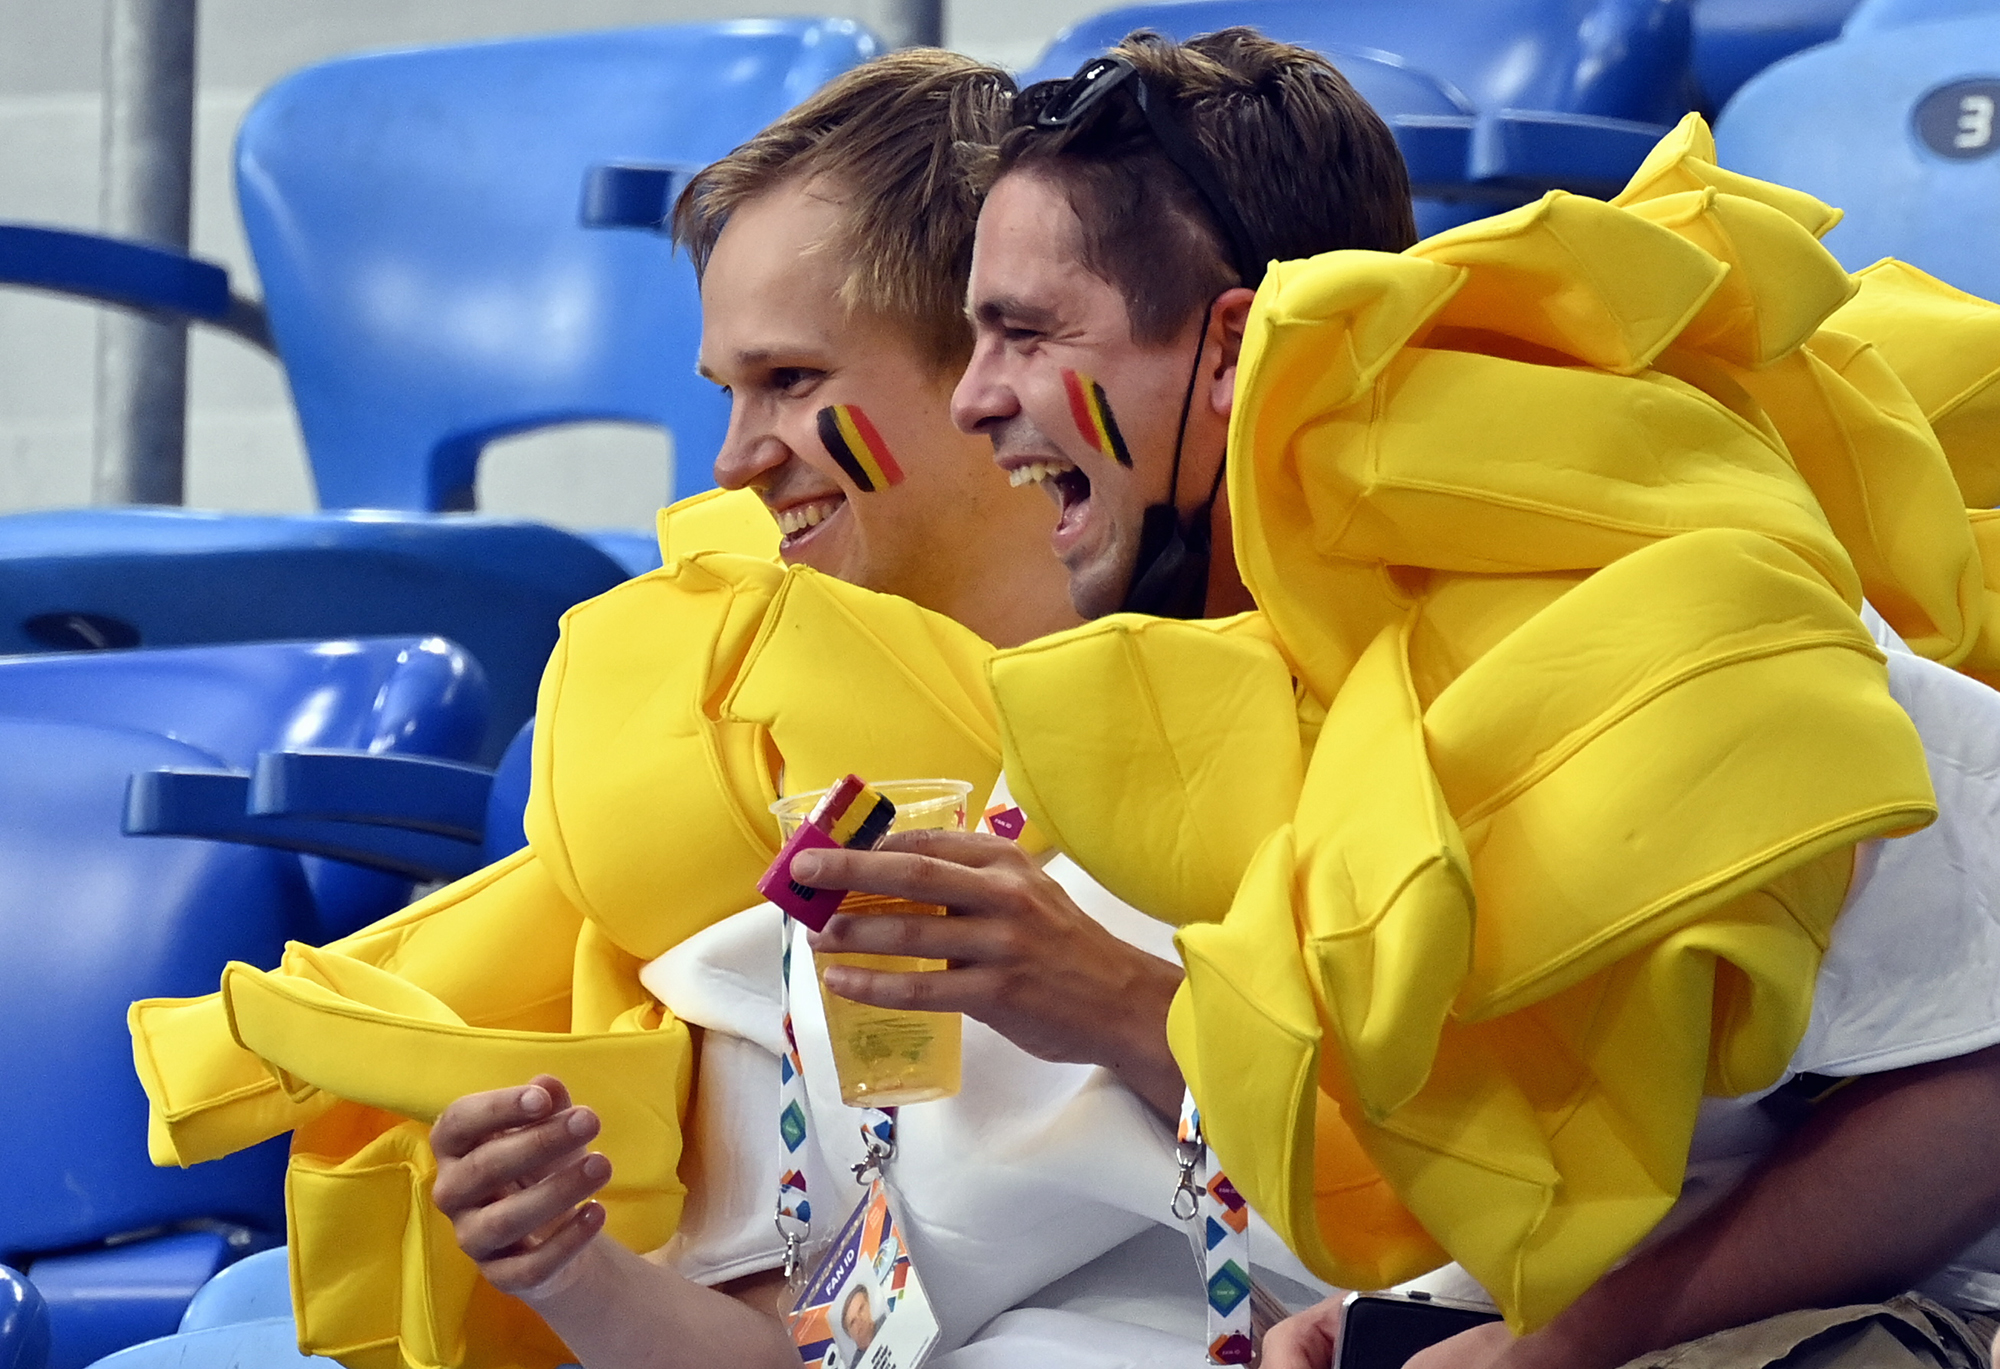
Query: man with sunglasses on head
1125, 232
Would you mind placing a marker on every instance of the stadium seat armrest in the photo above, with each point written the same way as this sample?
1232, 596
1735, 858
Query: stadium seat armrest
1539, 150
1436, 147
213, 805
131, 275
419, 793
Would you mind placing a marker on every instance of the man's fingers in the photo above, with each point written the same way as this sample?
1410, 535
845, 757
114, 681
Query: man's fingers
512, 1159
1305, 1340
470, 1120
976, 849
925, 936
529, 1270
494, 1230
898, 874
978, 991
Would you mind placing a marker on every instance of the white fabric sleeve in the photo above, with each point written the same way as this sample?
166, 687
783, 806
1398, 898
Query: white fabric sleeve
1913, 971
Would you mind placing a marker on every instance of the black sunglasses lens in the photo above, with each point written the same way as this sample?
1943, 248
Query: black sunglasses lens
1073, 98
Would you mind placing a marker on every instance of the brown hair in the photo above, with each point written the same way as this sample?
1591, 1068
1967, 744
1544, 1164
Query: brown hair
893, 137
1307, 165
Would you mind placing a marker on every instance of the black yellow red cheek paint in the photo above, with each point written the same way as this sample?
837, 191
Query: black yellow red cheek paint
1092, 412
856, 446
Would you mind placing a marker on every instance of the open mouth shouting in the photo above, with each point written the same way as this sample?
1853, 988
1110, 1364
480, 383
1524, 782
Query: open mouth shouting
1064, 483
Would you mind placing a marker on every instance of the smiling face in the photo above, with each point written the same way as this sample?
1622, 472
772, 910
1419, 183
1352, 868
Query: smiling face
843, 427
1055, 372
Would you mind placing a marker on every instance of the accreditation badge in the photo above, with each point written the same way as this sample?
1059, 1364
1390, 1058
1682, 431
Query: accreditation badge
863, 1306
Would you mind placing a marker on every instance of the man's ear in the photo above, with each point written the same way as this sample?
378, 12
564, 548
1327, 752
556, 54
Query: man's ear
1225, 329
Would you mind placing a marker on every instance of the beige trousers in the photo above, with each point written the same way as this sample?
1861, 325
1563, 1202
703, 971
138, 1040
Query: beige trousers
1907, 1332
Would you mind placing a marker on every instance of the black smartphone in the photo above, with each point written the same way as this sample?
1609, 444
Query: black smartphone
1382, 1330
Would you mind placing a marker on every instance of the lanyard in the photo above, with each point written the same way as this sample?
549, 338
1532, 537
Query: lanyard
878, 1131
1220, 1230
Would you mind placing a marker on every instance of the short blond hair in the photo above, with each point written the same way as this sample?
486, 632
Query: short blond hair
894, 138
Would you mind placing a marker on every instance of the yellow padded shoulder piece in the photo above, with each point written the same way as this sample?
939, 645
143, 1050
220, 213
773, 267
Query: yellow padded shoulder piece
658, 653
1576, 277
1781, 284
1945, 346
717, 520
1685, 160
1166, 794
1451, 461
847, 680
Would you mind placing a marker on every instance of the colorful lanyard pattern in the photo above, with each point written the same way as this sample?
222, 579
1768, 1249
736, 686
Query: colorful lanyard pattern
1206, 1196
878, 1130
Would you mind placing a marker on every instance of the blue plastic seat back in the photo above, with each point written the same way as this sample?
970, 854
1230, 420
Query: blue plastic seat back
507, 801
415, 218
24, 1323
158, 577
1621, 59
404, 696
90, 920
411, 695
103, 1299
1900, 127
1872, 16
1736, 39
254, 1289
272, 1343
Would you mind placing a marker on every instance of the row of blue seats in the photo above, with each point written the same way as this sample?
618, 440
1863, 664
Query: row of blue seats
298, 790
429, 225
247, 767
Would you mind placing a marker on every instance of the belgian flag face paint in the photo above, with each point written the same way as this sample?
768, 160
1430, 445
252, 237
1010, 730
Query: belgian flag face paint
1092, 412
857, 448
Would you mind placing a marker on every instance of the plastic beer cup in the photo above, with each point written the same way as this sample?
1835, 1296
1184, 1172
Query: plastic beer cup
886, 1057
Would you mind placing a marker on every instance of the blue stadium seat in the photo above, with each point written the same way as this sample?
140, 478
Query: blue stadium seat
428, 225
418, 696
1897, 125
24, 1323
1736, 39
1548, 93
508, 799
270, 1343
1872, 16
401, 699
73, 579
255, 1289
418, 220
103, 1299
89, 921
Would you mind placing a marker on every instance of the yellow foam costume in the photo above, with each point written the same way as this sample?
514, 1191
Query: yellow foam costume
1534, 564
1517, 817
647, 821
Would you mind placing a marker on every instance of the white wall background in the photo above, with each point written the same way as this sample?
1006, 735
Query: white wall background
244, 450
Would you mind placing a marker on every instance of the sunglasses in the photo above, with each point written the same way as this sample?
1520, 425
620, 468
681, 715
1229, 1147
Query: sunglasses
1067, 104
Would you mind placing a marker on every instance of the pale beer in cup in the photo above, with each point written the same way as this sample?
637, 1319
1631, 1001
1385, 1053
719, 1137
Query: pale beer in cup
886, 1057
